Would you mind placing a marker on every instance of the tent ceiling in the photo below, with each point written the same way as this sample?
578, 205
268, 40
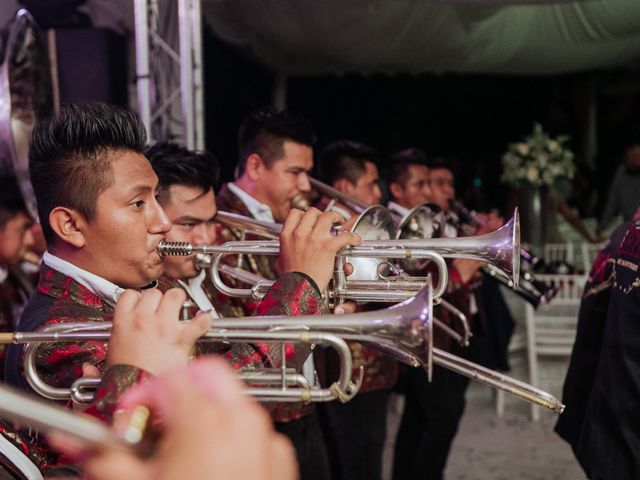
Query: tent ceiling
310, 37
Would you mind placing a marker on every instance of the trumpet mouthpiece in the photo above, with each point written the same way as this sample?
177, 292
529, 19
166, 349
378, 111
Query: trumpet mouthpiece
174, 249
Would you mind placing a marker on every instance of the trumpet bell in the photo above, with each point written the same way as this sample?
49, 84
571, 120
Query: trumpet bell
404, 331
426, 220
375, 223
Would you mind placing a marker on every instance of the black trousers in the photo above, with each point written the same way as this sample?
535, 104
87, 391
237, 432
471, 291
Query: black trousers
359, 428
429, 422
306, 436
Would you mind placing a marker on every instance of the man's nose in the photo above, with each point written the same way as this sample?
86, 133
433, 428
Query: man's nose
204, 234
303, 182
160, 223
29, 240
377, 193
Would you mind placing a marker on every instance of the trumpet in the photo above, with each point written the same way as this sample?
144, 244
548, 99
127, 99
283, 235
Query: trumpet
531, 290
260, 285
283, 383
403, 331
500, 248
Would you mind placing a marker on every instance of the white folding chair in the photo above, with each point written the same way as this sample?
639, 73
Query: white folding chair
551, 329
558, 252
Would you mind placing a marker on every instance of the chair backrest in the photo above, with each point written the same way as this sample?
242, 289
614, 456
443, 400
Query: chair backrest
570, 288
558, 252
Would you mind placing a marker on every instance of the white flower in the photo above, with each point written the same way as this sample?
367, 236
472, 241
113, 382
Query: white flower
547, 178
542, 160
533, 174
523, 149
553, 146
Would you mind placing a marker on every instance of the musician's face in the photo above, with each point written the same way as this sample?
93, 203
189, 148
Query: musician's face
15, 238
191, 211
129, 223
366, 188
416, 189
442, 187
286, 178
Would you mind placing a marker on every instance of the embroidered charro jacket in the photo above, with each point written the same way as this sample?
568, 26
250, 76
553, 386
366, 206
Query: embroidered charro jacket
602, 388
379, 370
59, 299
292, 294
264, 266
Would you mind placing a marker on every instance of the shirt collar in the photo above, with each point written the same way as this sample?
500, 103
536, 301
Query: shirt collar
259, 210
194, 289
107, 291
4, 273
397, 208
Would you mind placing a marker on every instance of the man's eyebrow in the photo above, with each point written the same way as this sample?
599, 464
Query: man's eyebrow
138, 189
188, 218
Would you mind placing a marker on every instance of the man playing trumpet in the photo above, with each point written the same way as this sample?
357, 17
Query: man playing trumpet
359, 426
96, 195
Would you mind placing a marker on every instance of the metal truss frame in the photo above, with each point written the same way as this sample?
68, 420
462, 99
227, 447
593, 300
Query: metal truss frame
169, 77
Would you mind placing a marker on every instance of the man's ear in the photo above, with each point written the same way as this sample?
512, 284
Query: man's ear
396, 190
343, 185
68, 225
254, 166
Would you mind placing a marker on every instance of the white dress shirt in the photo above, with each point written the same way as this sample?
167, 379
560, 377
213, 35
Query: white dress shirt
259, 210
397, 208
107, 291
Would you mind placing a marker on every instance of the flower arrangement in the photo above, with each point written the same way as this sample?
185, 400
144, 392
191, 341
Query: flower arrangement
538, 160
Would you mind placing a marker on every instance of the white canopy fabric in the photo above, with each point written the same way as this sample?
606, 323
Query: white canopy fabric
309, 37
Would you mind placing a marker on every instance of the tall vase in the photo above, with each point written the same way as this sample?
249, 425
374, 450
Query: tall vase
532, 216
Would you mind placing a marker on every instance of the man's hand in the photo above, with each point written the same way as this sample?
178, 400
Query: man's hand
307, 245
147, 332
211, 429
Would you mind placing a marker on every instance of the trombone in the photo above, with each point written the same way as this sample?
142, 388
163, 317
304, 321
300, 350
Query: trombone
403, 331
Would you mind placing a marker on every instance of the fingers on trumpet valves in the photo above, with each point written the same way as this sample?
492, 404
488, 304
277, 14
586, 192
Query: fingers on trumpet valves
147, 332
307, 245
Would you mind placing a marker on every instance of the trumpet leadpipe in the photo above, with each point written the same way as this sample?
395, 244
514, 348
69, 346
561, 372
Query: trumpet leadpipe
48, 418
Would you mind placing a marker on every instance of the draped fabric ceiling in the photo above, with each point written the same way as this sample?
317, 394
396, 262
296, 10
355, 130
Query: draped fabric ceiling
309, 37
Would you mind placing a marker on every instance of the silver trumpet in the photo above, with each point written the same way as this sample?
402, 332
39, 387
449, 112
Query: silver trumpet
500, 248
531, 290
278, 384
403, 331
204, 262
424, 221
24, 409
